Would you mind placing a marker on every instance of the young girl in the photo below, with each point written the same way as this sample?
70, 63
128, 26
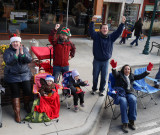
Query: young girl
74, 83
47, 106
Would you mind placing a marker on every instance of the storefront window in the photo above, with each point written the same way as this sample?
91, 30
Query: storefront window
131, 13
55, 11
40, 16
113, 15
149, 12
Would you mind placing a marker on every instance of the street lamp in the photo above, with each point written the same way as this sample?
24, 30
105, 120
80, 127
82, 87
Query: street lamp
146, 47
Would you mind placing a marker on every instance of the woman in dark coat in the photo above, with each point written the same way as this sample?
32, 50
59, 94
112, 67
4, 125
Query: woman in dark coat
17, 73
126, 94
138, 31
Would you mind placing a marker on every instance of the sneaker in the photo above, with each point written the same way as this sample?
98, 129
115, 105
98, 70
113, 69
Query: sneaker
82, 105
101, 94
93, 92
125, 127
131, 125
76, 108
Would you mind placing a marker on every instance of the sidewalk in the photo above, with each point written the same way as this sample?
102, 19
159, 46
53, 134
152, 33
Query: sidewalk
84, 121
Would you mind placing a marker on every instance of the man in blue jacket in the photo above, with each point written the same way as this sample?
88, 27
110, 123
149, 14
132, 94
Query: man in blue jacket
102, 52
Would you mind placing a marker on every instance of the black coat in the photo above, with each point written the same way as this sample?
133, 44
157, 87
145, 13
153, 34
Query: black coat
138, 28
16, 70
122, 82
73, 84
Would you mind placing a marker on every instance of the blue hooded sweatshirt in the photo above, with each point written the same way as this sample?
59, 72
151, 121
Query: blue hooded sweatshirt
103, 45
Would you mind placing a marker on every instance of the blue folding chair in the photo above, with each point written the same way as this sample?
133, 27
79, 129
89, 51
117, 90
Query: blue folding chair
110, 94
66, 91
143, 88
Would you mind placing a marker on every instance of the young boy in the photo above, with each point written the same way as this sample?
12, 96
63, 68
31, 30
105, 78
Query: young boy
74, 83
124, 35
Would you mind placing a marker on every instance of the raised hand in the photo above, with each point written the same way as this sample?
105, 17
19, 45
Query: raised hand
150, 66
57, 26
113, 63
21, 49
17, 52
123, 19
94, 18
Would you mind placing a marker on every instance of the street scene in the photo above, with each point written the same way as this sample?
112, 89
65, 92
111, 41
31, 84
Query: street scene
82, 67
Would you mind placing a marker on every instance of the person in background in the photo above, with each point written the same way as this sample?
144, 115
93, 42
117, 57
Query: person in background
17, 74
102, 52
138, 31
124, 35
63, 49
126, 95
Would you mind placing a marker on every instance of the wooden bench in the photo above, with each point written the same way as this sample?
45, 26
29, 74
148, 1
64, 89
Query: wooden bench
154, 44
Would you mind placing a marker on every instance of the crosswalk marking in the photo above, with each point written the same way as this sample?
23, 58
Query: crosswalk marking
148, 132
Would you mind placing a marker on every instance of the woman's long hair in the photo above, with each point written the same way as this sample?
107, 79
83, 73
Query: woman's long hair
122, 70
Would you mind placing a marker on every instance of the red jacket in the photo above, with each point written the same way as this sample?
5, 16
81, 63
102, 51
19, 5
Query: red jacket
62, 50
125, 32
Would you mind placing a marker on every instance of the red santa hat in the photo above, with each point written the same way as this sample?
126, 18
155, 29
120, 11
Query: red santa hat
15, 38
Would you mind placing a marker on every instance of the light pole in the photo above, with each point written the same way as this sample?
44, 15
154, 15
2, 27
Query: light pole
146, 47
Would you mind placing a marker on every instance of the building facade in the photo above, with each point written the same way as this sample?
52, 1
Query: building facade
40, 16
113, 10
147, 12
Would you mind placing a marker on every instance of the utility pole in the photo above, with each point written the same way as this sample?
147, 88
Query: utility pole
146, 47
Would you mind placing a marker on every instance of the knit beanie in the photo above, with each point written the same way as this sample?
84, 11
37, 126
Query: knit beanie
49, 77
74, 73
15, 38
66, 31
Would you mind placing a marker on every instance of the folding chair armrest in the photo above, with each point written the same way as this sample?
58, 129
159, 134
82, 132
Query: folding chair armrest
152, 79
135, 83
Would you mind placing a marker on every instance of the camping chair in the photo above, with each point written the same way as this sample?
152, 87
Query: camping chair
66, 91
110, 93
143, 88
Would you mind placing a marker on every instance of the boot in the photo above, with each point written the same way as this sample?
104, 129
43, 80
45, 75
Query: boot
132, 125
125, 127
26, 104
16, 108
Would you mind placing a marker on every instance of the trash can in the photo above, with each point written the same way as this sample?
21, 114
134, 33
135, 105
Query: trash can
2, 90
33, 42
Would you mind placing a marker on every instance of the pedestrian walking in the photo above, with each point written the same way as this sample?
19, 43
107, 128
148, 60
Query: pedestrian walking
124, 36
102, 52
63, 49
138, 31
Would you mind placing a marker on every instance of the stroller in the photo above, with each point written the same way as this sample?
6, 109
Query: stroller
44, 53
45, 108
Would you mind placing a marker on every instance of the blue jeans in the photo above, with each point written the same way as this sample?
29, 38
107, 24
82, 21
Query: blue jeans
135, 41
100, 67
128, 113
57, 70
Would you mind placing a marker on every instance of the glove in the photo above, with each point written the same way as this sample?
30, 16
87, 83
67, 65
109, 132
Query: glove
150, 66
113, 63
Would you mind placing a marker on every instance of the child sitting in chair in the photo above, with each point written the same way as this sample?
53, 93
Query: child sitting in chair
74, 84
47, 106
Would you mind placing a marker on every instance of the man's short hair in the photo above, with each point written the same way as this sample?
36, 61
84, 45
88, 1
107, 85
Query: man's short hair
103, 25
